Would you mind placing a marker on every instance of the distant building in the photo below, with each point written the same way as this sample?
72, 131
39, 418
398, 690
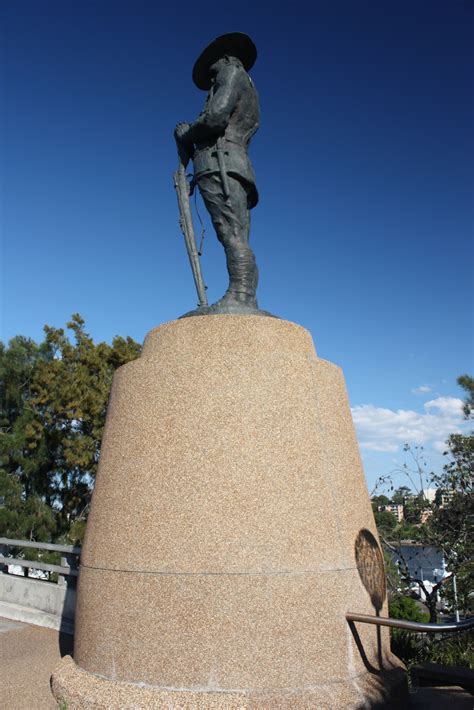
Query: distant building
444, 496
396, 510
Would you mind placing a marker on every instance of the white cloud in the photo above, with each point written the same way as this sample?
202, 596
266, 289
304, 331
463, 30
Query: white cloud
381, 429
448, 405
440, 446
378, 446
422, 389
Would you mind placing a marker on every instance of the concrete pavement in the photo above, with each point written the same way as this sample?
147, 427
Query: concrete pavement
28, 656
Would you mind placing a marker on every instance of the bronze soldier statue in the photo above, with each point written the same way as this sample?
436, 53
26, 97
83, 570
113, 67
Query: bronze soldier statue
217, 142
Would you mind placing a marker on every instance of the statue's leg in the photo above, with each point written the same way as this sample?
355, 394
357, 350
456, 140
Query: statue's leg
231, 220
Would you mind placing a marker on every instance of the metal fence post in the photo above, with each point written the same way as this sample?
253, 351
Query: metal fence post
61, 577
4, 551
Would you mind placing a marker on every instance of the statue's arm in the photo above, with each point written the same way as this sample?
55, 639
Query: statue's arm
215, 117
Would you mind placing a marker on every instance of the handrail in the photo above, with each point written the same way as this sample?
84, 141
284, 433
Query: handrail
411, 625
66, 570
38, 564
74, 549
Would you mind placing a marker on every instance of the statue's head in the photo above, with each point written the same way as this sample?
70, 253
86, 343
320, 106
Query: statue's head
228, 47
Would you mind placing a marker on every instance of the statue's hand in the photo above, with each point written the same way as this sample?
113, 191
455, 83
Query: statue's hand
185, 146
181, 133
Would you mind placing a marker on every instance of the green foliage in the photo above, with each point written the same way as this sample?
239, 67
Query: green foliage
409, 647
409, 531
379, 501
455, 650
450, 650
18, 363
23, 518
385, 521
403, 607
402, 495
467, 383
69, 403
450, 529
75, 534
53, 401
458, 474
465, 588
445, 649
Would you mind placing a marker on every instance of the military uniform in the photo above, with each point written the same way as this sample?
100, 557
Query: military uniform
229, 120
231, 110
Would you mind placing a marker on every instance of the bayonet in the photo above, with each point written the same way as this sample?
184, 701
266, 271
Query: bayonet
222, 170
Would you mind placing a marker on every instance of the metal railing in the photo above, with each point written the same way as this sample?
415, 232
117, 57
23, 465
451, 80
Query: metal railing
416, 626
69, 558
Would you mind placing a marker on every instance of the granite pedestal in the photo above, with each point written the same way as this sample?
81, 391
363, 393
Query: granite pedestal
219, 559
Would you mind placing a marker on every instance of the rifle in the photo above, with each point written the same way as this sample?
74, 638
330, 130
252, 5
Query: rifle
186, 223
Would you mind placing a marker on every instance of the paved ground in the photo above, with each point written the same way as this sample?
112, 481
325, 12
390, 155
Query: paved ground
29, 654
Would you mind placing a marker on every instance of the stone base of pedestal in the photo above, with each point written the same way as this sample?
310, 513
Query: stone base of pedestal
76, 689
220, 555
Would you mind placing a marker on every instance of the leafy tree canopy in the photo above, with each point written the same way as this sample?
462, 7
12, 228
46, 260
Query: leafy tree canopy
467, 383
447, 523
53, 402
385, 521
378, 501
401, 495
404, 607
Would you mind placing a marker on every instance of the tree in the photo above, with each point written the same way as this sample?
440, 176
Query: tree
379, 501
23, 518
53, 401
23, 513
458, 474
386, 522
401, 495
414, 507
467, 383
450, 525
404, 607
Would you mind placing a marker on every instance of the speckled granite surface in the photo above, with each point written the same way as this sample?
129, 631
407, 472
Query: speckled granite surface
219, 558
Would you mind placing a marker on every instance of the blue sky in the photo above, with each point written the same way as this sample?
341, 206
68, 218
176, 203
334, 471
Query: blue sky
363, 233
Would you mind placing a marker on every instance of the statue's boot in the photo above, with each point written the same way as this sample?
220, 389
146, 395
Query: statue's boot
243, 279
240, 297
233, 297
